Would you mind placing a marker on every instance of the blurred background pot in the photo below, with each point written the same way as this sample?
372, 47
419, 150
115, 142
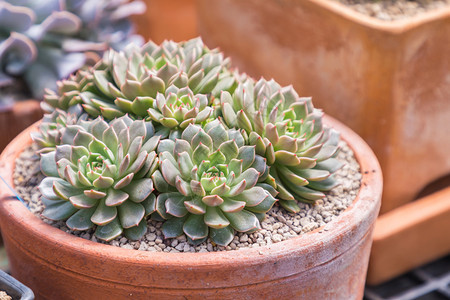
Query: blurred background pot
388, 81
15, 117
329, 262
168, 20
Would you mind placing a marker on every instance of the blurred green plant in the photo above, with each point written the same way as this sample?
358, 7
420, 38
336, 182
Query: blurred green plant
44, 41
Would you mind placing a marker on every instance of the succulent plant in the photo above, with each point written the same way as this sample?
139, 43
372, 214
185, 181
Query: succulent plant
42, 42
227, 147
55, 120
168, 84
208, 184
288, 131
100, 175
53, 125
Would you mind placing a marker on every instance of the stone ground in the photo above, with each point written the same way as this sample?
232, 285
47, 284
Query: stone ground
389, 10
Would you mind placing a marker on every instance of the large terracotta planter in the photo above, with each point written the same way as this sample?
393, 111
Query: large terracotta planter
388, 81
167, 19
328, 263
16, 118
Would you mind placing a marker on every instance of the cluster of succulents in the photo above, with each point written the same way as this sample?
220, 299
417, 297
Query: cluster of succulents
42, 42
173, 133
288, 131
171, 85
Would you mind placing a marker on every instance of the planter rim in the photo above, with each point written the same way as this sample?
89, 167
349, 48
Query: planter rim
351, 225
394, 27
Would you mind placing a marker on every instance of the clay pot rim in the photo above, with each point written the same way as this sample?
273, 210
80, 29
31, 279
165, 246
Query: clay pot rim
394, 27
348, 223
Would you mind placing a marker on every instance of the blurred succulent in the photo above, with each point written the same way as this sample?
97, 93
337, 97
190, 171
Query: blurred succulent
288, 132
106, 21
100, 174
168, 84
208, 185
42, 42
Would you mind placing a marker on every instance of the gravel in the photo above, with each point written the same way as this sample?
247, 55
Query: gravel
278, 226
389, 10
4, 296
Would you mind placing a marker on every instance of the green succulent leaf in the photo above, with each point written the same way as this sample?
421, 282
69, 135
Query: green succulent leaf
247, 154
46, 188
104, 214
140, 189
58, 210
253, 196
109, 231
290, 206
222, 236
195, 228
130, 214
175, 205
215, 218
173, 227
137, 232
82, 201
81, 220
200, 154
48, 164
231, 206
243, 220
195, 206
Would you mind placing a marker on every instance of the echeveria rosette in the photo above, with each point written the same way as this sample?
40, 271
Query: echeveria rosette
67, 93
53, 125
42, 43
208, 185
68, 111
100, 175
288, 131
179, 108
128, 82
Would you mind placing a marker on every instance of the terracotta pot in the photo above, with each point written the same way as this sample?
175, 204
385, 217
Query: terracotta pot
388, 81
167, 19
327, 263
16, 118
410, 236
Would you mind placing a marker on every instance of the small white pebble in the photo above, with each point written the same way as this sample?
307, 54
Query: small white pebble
150, 237
243, 238
277, 238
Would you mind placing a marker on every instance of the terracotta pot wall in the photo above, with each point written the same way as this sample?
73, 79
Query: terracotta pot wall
328, 263
12, 121
388, 82
167, 19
